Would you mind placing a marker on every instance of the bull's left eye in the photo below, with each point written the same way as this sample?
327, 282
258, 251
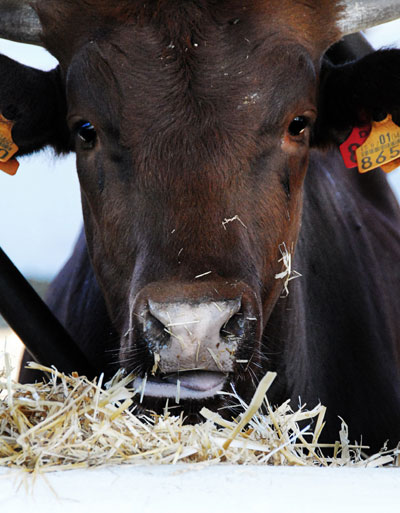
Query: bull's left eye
298, 126
87, 134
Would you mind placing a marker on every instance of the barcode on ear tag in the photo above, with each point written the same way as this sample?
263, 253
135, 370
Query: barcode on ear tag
356, 139
381, 148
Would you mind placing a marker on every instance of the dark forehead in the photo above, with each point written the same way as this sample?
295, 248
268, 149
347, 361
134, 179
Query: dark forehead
188, 65
68, 24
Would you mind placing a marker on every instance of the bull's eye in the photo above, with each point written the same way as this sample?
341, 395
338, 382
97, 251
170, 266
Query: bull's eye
298, 126
87, 134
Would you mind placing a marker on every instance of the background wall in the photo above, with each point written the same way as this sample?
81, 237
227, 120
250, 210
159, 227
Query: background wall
40, 212
40, 215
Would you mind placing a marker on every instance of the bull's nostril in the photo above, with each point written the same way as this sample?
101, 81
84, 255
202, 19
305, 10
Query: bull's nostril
234, 328
154, 331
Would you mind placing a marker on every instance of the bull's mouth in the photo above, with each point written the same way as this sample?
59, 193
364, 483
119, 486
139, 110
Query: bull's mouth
194, 385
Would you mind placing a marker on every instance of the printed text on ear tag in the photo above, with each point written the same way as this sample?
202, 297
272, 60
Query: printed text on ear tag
356, 139
382, 146
7, 147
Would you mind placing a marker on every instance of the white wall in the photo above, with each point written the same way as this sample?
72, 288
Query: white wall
40, 213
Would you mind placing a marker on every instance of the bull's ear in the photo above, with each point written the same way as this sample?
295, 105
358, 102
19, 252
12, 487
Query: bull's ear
356, 93
34, 100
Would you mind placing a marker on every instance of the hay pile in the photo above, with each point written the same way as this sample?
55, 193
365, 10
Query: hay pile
71, 422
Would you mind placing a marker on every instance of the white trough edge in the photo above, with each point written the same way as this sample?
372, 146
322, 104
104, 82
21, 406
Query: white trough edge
220, 488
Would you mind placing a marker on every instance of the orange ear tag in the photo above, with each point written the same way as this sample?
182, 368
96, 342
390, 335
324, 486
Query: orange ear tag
10, 167
7, 147
381, 148
391, 166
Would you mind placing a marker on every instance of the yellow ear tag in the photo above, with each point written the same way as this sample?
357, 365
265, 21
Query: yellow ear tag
381, 148
7, 147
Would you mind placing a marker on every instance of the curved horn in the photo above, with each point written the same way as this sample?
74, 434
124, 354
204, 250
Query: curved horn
362, 14
19, 22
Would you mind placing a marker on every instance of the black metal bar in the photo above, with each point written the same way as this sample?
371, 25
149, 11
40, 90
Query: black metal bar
42, 334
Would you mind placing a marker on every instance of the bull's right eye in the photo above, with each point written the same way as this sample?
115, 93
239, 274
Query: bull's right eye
87, 134
298, 126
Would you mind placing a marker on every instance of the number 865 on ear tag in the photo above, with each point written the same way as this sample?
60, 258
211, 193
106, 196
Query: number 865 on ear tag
381, 148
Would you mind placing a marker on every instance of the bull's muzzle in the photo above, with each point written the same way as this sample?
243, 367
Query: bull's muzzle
199, 335
196, 341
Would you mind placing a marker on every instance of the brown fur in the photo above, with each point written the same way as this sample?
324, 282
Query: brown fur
313, 21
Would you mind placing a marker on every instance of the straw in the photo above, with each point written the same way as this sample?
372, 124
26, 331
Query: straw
71, 422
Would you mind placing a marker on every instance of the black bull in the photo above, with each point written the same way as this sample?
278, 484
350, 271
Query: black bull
335, 337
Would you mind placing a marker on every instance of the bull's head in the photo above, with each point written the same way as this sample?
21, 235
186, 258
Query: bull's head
192, 123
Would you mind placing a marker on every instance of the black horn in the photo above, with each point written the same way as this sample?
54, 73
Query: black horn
19, 22
358, 15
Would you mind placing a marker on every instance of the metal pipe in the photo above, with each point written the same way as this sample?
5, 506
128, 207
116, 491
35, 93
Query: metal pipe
42, 334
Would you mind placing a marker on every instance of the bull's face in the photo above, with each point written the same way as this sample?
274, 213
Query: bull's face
191, 163
191, 126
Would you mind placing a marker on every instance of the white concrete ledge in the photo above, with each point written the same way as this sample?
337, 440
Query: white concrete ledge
214, 489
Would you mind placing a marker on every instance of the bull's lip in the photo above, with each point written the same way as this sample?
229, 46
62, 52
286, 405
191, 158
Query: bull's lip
193, 385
